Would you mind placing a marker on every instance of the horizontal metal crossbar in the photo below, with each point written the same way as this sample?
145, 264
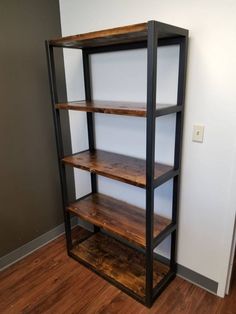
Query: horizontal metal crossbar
162, 235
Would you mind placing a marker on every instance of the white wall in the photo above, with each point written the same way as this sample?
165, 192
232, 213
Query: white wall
208, 199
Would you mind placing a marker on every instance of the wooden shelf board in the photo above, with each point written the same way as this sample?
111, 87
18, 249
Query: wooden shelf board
130, 33
110, 107
117, 261
138, 109
127, 169
117, 217
118, 35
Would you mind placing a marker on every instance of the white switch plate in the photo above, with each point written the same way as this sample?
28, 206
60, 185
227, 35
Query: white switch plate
198, 133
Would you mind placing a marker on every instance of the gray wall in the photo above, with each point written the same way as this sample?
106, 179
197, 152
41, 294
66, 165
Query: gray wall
30, 199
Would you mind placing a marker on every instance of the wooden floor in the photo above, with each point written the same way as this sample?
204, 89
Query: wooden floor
48, 281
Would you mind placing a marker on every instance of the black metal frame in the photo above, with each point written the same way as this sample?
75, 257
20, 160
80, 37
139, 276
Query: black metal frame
152, 113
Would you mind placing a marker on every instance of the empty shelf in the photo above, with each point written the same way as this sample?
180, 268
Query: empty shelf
123, 168
138, 109
117, 262
117, 217
118, 35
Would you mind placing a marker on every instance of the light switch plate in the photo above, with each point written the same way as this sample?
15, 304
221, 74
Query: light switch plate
198, 133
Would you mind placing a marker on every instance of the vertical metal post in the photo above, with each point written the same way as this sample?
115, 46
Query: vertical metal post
150, 152
178, 143
59, 142
90, 117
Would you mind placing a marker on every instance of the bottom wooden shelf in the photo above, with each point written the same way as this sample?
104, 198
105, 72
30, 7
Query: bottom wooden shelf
117, 261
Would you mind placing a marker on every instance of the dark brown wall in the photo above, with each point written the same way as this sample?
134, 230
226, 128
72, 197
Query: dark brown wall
30, 201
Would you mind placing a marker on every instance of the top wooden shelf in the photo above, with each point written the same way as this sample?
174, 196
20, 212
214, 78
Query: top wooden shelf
118, 35
136, 109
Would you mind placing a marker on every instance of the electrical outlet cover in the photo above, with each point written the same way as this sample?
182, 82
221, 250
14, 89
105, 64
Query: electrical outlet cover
198, 133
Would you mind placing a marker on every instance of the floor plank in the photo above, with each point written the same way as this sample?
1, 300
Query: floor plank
48, 281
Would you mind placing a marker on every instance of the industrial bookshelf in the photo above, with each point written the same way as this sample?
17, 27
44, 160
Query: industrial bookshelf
121, 248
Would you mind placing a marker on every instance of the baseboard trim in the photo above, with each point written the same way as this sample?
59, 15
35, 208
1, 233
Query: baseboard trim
28, 248
197, 279
192, 276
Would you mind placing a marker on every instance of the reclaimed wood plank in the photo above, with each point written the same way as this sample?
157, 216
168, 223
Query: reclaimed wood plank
118, 261
118, 217
123, 168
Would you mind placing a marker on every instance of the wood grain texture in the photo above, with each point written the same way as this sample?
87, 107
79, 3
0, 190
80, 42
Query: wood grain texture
118, 261
127, 169
136, 32
48, 281
136, 109
118, 35
117, 217
110, 107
